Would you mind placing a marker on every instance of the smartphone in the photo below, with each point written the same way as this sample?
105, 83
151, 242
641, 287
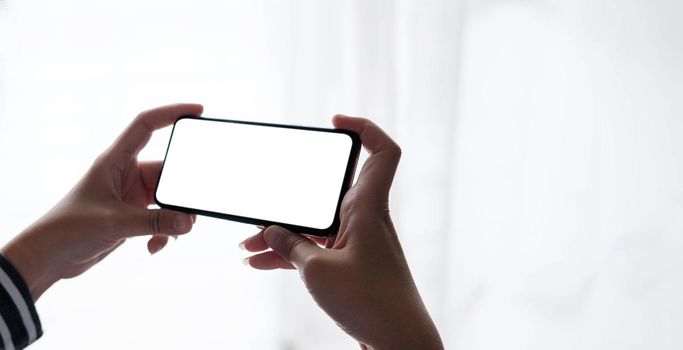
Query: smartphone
259, 173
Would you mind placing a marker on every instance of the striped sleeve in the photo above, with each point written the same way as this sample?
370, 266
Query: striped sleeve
19, 323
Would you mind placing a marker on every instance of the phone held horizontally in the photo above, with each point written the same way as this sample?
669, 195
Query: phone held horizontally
259, 173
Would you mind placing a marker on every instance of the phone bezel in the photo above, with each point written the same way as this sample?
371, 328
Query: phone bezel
346, 185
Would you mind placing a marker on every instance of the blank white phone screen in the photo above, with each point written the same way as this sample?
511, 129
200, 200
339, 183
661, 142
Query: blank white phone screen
291, 176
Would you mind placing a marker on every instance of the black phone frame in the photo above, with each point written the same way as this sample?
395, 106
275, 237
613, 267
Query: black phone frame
346, 185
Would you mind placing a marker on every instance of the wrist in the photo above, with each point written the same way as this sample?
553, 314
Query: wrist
426, 342
410, 332
26, 258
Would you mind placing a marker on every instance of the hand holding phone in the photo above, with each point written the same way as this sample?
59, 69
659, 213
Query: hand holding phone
361, 278
107, 206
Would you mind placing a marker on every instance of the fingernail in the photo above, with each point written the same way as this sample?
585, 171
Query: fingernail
243, 245
245, 261
175, 237
155, 250
274, 228
183, 223
194, 218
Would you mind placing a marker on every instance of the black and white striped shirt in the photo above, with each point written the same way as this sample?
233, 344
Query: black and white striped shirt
19, 323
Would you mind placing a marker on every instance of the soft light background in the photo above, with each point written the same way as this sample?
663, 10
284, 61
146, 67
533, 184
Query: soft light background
539, 199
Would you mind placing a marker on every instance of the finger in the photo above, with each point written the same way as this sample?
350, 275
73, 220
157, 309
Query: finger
149, 172
136, 135
379, 169
254, 243
329, 243
292, 247
269, 260
156, 243
140, 221
321, 241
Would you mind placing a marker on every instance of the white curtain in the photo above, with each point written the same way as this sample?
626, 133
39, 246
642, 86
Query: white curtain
539, 198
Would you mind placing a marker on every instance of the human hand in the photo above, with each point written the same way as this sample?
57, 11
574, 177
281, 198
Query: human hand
108, 205
361, 280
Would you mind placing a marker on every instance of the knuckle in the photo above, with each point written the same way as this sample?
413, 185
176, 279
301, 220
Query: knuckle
367, 122
138, 121
386, 214
101, 159
143, 124
142, 115
141, 121
292, 244
395, 150
154, 221
313, 267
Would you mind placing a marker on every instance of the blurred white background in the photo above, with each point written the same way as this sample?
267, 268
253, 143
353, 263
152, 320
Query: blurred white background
539, 199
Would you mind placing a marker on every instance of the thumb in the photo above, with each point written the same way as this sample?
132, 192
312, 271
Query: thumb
292, 247
139, 222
